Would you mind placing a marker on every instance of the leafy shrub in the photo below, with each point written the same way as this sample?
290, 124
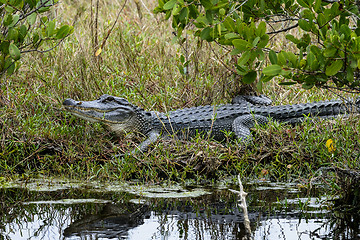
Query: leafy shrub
326, 43
26, 27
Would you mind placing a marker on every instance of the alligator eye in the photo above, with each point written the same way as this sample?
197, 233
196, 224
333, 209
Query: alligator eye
108, 99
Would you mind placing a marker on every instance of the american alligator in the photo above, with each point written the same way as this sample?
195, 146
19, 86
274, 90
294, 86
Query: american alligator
239, 117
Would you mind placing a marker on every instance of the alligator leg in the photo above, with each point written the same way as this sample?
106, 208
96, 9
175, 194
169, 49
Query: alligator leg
242, 125
152, 137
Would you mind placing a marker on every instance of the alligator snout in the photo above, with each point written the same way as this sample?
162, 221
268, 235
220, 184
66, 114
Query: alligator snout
70, 102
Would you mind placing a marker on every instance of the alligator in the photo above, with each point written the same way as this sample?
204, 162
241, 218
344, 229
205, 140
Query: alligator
120, 116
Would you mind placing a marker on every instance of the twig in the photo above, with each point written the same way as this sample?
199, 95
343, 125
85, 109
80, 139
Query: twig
284, 30
242, 204
112, 27
96, 22
47, 50
35, 10
147, 9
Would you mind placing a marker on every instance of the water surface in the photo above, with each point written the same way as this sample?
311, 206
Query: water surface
61, 209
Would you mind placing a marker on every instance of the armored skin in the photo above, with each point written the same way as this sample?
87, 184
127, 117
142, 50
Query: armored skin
239, 117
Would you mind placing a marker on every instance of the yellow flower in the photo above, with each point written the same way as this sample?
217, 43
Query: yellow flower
330, 145
97, 53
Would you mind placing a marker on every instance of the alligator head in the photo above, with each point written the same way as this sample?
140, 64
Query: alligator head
116, 113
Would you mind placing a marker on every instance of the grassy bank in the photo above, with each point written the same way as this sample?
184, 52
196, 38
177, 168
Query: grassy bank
140, 63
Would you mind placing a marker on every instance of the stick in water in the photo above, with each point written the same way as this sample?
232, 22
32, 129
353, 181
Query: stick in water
243, 206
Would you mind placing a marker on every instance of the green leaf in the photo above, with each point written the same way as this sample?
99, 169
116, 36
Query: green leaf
292, 38
241, 44
321, 20
10, 66
169, 5
193, 11
304, 25
8, 19
176, 9
209, 16
334, 68
317, 5
256, 41
15, 20
229, 24
205, 34
9, 9
31, 18
62, 32
285, 73
260, 54
35, 38
272, 57
303, 3
244, 58
4, 47
241, 70
235, 51
13, 34
231, 35
22, 32
261, 29
265, 78
43, 9
316, 51
307, 14
32, 3
350, 75
310, 58
206, 3
50, 30
19, 4
201, 22
14, 51
250, 77
220, 4
330, 52
335, 8
346, 30
281, 58
292, 58
307, 86
184, 14
272, 70
263, 41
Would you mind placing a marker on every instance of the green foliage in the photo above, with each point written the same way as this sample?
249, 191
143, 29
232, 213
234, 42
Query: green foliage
327, 40
26, 27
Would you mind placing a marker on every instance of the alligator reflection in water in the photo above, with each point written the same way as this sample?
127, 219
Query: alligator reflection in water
70, 213
112, 222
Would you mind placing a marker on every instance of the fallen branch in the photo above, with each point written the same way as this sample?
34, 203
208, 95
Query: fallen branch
243, 206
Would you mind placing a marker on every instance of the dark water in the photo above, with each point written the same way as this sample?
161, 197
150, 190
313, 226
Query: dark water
53, 209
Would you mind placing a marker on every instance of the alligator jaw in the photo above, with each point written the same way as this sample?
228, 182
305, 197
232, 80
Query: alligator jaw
87, 113
82, 115
116, 113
